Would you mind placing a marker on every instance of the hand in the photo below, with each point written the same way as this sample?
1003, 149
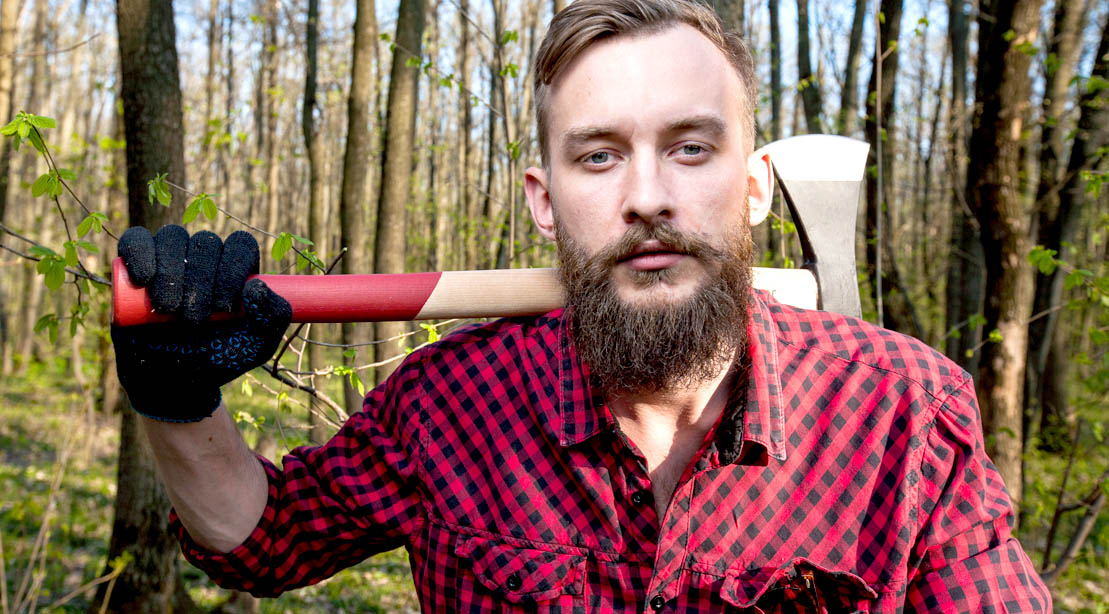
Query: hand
173, 371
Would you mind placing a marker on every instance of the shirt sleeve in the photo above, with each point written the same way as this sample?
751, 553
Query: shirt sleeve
330, 507
967, 559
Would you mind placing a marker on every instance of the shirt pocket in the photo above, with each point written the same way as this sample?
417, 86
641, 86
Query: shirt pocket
508, 573
798, 587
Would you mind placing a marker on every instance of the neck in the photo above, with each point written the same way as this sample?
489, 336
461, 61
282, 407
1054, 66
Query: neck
678, 408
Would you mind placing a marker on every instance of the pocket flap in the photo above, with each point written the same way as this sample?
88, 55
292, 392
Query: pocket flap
520, 573
769, 588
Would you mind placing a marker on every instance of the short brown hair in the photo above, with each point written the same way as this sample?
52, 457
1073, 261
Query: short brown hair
585, 22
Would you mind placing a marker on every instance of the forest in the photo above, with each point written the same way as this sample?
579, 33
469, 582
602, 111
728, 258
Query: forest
357, 137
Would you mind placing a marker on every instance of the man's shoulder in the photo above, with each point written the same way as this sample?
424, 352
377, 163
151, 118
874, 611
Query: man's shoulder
857, 342
502, 342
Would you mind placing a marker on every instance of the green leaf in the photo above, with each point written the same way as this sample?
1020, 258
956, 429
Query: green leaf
209, 208
350, 353
41, 185
412, 62
281, 246
67, 174
509, 37
45, 123
302, 240
158, 189
55, 276
1098, 336
71, 253
1076, 278
88, 247
995, 336
11, 128
50, 319
246, 388
43, 252
1044, 259
191, 212
432, 332
37, 142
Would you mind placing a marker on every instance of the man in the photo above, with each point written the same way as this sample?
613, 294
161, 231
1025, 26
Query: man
672, 441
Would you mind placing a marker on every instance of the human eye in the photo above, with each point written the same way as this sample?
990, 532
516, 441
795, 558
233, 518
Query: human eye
692, 152
597, 160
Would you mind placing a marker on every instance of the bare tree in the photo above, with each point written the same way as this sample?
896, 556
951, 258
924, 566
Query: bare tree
152, 116
395, 185
849, 97
353, 204
807, 81
994, 195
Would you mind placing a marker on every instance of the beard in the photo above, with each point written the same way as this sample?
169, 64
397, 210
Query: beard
657, 345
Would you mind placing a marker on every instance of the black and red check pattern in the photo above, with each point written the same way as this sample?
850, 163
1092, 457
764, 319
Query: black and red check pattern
849, 476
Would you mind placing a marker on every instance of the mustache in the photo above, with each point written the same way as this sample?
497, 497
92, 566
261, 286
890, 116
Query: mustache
670, 238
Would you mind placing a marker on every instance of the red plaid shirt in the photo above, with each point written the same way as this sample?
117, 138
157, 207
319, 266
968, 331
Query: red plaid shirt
849, 476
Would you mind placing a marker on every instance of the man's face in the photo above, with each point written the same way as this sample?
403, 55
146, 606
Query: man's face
649, 185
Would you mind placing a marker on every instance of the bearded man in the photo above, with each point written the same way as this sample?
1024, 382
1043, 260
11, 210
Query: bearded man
671, 441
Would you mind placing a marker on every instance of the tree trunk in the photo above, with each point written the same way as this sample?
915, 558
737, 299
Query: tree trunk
396, 173
9, 15
467, 213
807, 81
152, 118
993, 193
849, 97
1064, 48
775, 72
965, 275
354, 206
317, 232
1059, 216
897, 310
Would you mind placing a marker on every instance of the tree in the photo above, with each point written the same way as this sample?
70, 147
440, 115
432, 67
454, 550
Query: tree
963, 300
151, 94
353, 203
807, 81
849, 97
1007, 34
314, 146
896, 308
9, 14
396, 165
775, 72
1062, 198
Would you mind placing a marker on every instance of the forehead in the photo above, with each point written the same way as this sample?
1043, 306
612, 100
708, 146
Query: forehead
645, 81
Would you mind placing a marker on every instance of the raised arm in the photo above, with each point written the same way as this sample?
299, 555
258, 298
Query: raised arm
172, 372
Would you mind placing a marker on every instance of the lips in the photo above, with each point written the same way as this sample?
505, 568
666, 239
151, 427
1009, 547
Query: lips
652, 256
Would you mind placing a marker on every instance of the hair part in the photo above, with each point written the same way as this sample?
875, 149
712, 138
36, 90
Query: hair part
584, 22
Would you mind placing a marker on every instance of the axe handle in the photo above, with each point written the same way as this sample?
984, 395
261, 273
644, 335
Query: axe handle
378, 297
422, 296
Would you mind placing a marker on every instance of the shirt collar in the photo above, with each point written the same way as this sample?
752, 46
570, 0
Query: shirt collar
756, 416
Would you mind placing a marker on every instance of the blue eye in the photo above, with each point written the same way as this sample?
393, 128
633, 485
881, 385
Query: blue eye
599, 157
692, 150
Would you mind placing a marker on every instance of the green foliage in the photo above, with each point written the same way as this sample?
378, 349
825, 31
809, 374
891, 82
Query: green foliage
26, 127
158, 189
202, 203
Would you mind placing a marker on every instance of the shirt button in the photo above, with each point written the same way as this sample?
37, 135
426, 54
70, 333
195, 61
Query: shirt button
513, 583
640, 497
657, 603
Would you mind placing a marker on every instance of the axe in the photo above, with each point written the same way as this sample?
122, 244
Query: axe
820, 177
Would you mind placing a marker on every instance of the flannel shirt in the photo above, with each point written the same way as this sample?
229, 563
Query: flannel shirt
849, 476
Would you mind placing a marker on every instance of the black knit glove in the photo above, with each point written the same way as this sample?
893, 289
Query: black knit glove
173, 371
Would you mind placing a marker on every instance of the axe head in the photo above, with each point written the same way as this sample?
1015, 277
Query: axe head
820, 176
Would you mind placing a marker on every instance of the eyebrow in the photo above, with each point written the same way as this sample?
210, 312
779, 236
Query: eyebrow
574, 137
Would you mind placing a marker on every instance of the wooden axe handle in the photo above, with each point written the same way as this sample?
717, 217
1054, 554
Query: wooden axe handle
422, 296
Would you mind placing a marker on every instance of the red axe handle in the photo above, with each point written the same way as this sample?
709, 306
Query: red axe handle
379, 297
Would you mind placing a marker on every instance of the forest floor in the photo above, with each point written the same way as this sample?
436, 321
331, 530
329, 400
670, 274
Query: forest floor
47, 434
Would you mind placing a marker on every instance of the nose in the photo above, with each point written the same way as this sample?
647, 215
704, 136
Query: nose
647, 196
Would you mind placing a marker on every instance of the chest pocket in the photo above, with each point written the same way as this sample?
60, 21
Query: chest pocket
536, 580
799, 587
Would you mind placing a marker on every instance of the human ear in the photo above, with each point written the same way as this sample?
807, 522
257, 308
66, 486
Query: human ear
760, 185
536, 187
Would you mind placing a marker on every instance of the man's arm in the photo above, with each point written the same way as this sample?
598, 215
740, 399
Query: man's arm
966, 559
215, 482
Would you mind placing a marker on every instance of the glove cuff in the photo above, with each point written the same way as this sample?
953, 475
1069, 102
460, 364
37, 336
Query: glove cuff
179, 409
